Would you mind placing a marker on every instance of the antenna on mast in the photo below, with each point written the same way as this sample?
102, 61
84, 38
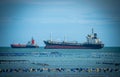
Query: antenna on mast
64, 38
92, 30
51, 36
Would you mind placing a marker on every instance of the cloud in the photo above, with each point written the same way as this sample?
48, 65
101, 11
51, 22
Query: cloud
50, 20
40, 2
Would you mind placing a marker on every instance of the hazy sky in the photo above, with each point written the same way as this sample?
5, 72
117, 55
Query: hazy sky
20, 20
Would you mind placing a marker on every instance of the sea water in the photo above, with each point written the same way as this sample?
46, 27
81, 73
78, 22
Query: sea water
40, 62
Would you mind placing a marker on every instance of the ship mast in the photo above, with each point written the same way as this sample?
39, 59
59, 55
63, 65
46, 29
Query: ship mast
64, 38
51, 36
92, 30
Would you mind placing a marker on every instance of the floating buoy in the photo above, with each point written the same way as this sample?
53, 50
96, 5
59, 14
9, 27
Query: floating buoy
117, 70
74, 69
61, 70
45, 69
49, 70
89, 70
80, 69
25, 70
0, 70
67, 70
93, 69
98, 70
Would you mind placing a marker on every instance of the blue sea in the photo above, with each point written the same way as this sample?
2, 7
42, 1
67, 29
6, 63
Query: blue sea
40, 62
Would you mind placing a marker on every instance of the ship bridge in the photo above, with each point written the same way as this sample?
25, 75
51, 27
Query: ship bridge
93, 39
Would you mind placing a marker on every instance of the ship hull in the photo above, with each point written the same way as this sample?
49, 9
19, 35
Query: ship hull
72, 46
23, 46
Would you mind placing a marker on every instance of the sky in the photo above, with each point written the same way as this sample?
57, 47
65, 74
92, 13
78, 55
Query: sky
20, 20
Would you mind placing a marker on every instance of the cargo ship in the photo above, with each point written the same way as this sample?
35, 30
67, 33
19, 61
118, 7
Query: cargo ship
93, 42
30, 44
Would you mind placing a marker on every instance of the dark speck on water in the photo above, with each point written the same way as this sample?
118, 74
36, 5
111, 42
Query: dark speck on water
40, 62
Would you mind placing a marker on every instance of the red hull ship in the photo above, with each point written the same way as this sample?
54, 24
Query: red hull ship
30, 44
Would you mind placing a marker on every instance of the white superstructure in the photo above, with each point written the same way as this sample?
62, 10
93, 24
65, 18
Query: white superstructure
93, 39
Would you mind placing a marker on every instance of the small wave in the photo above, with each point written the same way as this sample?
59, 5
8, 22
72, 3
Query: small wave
32, 54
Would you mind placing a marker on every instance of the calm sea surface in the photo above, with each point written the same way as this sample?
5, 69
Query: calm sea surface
40, 62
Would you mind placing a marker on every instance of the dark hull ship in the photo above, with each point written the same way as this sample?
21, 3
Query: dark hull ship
93, 42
